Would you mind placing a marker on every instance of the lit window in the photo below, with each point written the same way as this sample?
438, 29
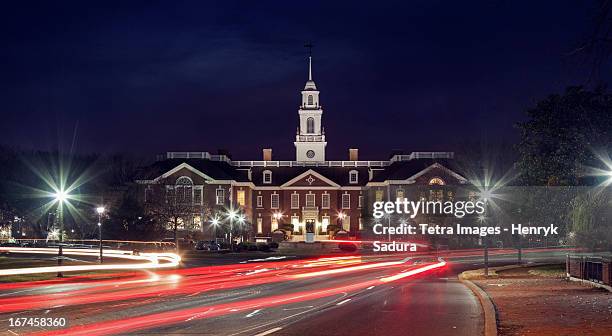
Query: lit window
360, 223
274, 201
346, 201
472, 196
353, 176
379, 195
274, 224
295, 201
183, 189
240, 198
310, 125
259, 225
267, 176
325, 201
260, 201
360, 201
436, 181
295, 220
220, 196
324, 223
436, 195
310, 200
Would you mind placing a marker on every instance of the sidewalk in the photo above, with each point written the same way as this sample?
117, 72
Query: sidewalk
538, 301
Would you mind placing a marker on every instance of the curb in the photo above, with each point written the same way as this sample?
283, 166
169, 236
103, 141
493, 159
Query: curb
590, 283
490, 317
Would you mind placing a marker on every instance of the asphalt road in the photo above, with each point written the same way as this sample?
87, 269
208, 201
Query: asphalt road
382, 295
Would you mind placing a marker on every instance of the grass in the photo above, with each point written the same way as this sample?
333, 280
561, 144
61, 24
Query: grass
549, 271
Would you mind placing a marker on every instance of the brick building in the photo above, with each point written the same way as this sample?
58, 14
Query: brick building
293, 197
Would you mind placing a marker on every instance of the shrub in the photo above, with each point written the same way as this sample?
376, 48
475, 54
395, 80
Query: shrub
263, 247
273, 245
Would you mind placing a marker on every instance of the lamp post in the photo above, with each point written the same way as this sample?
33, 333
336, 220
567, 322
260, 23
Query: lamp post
100, 210
215, 223
482, 219
60, 197
231, 216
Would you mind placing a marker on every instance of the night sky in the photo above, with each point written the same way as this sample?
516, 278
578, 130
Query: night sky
149, 77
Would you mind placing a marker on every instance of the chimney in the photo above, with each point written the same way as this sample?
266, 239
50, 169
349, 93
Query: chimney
353, 154
267, 154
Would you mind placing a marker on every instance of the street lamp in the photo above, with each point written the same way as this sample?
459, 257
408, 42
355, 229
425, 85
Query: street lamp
231, 214
60, 197
100, 210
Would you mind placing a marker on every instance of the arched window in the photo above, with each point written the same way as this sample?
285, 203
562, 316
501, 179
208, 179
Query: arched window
310, 125
436, 181
184, 189
353, 176
310, 100
267, 176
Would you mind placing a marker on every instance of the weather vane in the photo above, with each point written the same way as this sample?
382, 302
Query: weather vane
309, 45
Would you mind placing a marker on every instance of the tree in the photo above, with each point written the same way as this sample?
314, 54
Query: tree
559, 139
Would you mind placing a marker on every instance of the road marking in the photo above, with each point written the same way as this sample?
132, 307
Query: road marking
370, 287
253, 313
269, 331
343, 302
12, 332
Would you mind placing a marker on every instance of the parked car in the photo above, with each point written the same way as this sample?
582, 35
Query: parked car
207, 245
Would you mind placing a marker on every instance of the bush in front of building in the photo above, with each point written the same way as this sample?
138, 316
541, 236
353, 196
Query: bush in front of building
273, 245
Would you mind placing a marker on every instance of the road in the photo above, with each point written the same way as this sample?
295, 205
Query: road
345, 295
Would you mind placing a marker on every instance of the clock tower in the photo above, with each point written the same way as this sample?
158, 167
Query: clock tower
310, 138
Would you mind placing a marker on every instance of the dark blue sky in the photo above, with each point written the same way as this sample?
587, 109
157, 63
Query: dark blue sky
147, 77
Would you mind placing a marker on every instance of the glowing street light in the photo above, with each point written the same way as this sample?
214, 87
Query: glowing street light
60, 196
100, 210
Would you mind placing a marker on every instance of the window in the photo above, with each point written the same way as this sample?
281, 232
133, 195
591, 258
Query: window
353, 176
274, 224
436, 195
170, 196
240, 198
325, 223
220, 199
379, 195
260, 225
148, 194
346, 201
360, 223
274, 201
310, 100
325, 201
399, 194
472, 196
310, 200
295, 220
310, 125
183, 189
295, 201
260, 201
197, 195
436, 181
451, 196
360, 201
267, 176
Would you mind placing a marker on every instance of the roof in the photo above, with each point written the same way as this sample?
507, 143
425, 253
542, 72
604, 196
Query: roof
221, 170
217, 170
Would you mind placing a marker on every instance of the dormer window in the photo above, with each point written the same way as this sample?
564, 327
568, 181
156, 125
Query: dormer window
267, 176
353, 176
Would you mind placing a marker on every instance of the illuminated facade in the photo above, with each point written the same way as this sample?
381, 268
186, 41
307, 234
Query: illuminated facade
307, 195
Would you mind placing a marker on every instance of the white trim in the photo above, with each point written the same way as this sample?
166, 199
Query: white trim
310, 172
437, 165
179, 167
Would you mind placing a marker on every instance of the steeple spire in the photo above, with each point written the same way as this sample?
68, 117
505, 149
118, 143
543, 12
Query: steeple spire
309, 68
